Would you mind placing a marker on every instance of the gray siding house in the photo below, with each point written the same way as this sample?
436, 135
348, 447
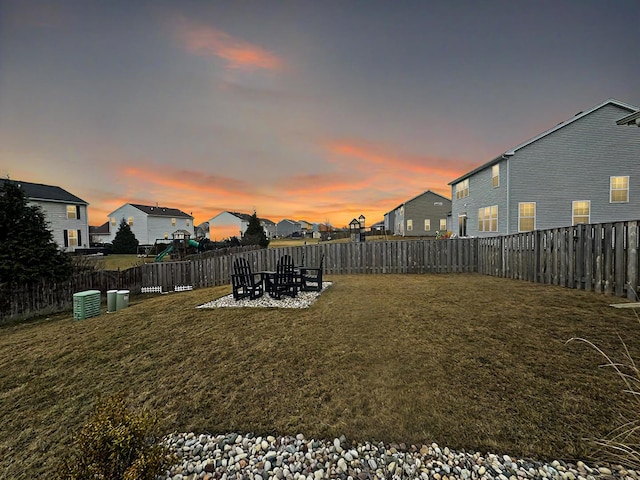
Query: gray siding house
149, 223
286, 228
233, 224
421, 216
583, 170
65, 213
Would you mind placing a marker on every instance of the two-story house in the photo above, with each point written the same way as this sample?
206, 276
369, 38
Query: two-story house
287, 227
234, 224
583, 170
149, 223
65, 213
420, 216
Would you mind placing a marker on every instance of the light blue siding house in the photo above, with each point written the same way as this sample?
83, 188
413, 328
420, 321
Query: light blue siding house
583, 170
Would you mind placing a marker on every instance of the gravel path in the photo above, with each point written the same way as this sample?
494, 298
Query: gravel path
247, 457
301, 300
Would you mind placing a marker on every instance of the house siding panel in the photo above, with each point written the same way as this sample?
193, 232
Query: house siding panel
482, 194
575, 163
58, 223
423, 207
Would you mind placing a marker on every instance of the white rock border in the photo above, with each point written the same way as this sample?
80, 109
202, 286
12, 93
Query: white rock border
302, 300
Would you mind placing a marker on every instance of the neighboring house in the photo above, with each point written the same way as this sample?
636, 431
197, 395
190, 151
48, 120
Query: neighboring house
100, 234
65, 213
286, 228
421, 216
149, 223
306, 227
234, 224
583, 170
269, 227
202, 230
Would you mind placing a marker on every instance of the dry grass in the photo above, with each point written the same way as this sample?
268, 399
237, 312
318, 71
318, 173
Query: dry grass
468, 361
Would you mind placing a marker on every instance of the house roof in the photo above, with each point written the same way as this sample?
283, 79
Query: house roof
160, 211
293, 222
50, 193
633, 119
578, 116
104, 228
419, 195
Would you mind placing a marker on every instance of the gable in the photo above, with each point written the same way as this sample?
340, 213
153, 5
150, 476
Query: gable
157, 211
623, 108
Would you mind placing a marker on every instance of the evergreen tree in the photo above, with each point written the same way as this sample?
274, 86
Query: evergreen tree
125, 241
254, 235
28, 252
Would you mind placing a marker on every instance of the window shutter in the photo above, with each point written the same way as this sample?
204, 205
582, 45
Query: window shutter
78, 213
79, 238
66, 238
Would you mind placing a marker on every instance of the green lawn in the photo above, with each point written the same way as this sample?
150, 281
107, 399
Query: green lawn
468, 361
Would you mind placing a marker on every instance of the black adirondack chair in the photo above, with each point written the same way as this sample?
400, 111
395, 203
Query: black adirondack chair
245, 283
284, 280
311, 277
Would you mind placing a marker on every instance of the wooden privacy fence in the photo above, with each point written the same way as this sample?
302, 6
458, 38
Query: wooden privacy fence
600, 257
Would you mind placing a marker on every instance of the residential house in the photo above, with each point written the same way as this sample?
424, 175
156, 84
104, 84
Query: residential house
286, 228
99, 234
306, 227
421, 216
269, 227
233, 224
65, 213
583, 170
149, 223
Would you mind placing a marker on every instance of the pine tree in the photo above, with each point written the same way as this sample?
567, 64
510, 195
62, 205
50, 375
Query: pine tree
254, 235
28, 252
125, 241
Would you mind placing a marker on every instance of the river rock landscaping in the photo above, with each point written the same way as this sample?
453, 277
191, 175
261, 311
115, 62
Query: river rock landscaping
236, 456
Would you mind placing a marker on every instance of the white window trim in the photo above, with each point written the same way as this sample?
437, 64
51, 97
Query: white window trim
488, 219
535, 216
494, 176
427, 224
443, 221
611, 190
409, 225
72, 238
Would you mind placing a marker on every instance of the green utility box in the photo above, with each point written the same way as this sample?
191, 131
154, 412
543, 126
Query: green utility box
86, 304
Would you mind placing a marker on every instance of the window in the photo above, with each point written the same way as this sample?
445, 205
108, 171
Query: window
462, 189
113, 221
73, 211
462, 225
166, 234
409, 225
437, 204
173, 222
443, 224
581, 211
526, 216
619, 191
488, 219
427, 224
71, 238
188, 222
130, 221
495, 175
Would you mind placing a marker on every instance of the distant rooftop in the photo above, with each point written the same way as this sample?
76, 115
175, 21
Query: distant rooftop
39, 191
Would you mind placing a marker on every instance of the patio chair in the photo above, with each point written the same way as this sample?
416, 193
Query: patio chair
244, 282
311, 277
284, 281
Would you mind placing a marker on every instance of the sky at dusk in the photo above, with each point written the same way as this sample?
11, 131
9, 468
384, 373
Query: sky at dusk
317, 111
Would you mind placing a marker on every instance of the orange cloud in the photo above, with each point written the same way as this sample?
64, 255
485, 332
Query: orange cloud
407, 164
200, 39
